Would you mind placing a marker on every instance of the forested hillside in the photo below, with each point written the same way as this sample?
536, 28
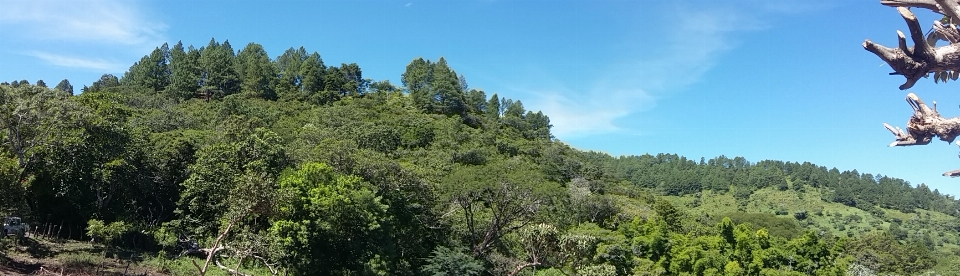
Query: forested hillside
289, 165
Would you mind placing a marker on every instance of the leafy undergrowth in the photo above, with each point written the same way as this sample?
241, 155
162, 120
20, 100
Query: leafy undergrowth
39, 256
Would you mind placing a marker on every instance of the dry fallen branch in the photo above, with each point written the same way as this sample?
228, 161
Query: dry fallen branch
223, 267
213, 252
521, 266
925, 124
917, 61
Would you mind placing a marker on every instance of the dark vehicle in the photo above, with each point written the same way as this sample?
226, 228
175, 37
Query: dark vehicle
14, 226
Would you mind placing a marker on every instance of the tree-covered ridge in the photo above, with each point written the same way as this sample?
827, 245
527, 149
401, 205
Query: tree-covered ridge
313, 170
670, 174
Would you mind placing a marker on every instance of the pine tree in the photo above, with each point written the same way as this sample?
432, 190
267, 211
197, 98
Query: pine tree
218, 67
312, 73
65, 86
288, 68
185, 72
256, 71
152, 71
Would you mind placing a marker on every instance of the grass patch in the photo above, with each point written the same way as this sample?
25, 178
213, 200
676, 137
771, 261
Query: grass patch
79, 261
183, 266
947, 266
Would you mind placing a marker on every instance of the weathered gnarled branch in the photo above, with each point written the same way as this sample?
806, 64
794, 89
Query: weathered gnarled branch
917, 61
925, 124
213, 250
949, 8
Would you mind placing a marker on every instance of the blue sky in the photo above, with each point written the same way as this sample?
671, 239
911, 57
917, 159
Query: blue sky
785, 80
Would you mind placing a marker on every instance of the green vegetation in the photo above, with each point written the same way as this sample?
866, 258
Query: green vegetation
288, 165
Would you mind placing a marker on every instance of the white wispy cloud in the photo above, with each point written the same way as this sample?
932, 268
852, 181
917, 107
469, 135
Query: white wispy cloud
692, 43
692, 46
103, 21
93, 31
78, 62
592, 113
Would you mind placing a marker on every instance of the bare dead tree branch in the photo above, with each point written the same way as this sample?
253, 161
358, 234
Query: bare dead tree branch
926, 4
925, 124
916, 62
521, 266
949, 8
273, 270
212, 252
235, 271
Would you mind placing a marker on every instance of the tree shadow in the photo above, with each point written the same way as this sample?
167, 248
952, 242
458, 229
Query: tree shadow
33, 247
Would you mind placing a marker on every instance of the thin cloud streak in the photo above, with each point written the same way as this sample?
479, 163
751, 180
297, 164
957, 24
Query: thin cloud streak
699, 39
77, 62
87, 34
592, 113
102, 22
572, 118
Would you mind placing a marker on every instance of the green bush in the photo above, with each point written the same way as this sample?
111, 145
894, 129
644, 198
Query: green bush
446, 261
108, 233
801, 215
777, 226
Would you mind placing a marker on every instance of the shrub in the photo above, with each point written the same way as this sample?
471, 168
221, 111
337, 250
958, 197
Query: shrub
801, 215
446, 261
777, 226
742, 193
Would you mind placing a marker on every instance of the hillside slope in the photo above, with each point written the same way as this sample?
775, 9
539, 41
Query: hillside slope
288, 165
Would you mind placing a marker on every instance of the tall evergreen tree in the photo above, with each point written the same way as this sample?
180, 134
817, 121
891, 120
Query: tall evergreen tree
185, 72
288, 67
353, 83
105, 81
65, 86
256, 71
418, 80
435, 87
219, 75
152, 71
312, 73
493, 107
476, 101
448, 89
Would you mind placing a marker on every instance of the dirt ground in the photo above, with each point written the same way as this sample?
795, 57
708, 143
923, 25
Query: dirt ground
37, 256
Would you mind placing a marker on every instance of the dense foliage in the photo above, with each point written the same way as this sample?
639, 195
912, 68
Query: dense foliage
321, 171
